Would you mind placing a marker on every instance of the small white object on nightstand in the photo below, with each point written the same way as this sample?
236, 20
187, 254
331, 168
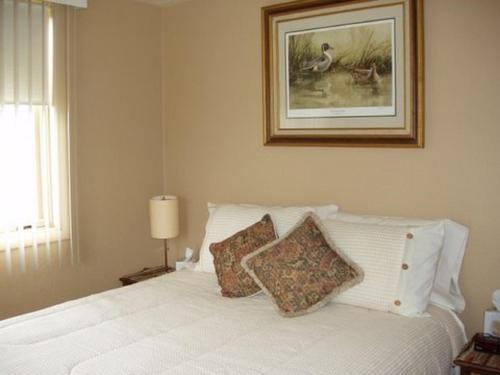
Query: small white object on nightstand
492, 316
186, 262
496, 299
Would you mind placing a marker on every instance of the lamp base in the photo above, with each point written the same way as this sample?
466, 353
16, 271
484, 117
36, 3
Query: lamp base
165, 249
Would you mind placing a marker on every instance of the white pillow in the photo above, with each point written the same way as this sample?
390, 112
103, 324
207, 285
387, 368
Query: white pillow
399, 263
224, 220
446, 292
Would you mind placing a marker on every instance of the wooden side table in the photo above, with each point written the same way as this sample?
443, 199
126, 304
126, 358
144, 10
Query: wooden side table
473, 362
145, 274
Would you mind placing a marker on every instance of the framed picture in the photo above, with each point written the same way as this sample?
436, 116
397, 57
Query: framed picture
343, 73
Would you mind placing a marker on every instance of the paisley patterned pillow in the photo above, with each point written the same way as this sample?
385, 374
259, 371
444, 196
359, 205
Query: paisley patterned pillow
303, 270
233, 279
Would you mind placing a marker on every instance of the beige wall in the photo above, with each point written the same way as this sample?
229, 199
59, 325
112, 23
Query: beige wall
213, 142
118, 156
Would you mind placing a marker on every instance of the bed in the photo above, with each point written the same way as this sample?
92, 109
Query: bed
179, 324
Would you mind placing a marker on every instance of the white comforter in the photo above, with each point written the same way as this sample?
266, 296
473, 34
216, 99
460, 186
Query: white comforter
178, 324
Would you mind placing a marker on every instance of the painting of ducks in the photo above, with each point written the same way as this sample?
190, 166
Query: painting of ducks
337, 72
359, 75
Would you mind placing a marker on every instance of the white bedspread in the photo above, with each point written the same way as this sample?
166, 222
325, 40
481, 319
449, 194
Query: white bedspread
178, 324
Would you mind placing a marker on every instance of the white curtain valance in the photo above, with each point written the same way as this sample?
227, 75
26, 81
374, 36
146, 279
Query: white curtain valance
73, 3
23, 39
23, 42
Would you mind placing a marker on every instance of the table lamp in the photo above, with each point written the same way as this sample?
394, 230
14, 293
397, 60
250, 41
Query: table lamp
164, 219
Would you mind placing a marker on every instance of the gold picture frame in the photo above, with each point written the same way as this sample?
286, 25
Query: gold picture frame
343, 73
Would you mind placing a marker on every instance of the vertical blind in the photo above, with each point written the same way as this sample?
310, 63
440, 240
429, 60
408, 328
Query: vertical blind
35, 220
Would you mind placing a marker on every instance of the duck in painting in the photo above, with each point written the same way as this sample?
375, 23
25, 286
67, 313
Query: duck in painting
316, 67
321, 63
368, 76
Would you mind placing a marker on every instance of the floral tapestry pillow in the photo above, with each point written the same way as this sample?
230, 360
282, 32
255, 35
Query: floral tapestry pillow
233, 279
303, 270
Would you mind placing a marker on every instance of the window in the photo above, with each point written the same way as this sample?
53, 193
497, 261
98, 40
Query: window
34, 155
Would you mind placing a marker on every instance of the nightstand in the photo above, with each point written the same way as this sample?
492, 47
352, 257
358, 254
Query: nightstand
145, 274
473, 362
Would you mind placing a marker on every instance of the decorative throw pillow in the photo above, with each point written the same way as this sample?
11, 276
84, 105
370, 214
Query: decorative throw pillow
303, 270
233, 279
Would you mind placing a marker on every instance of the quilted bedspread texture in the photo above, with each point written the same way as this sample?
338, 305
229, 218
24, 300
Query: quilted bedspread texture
179, 324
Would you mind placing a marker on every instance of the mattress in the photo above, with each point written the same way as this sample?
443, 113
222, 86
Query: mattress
179, 324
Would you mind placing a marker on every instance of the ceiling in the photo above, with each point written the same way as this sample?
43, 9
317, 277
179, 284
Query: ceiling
162, 3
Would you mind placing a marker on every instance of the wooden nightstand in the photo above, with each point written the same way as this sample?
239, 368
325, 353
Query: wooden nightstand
473, 362
145, 274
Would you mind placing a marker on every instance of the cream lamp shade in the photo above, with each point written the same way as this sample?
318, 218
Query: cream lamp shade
164, 216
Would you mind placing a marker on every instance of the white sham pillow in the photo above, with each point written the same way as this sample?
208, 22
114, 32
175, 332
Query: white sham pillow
224, 220
446, 291
399, 263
